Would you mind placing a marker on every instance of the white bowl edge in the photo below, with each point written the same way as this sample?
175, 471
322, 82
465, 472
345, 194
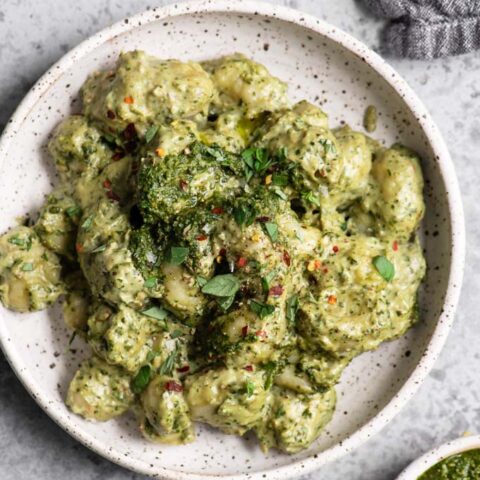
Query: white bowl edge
444, 162
431, 458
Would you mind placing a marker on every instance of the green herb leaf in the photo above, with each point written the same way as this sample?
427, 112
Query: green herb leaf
141, 379
87, 223
225, 302
271, 229
177, 255
176, 333
244, 215
384, 267
311, 197
201, 281
270, 370
26, 243
216, 153
166, 367
261, 309
150, 282
267, 279
99, 249
74, 211
344, 226
292, 308
27, 267
250, 389
279, 179
222, 286
158, 313
150, 133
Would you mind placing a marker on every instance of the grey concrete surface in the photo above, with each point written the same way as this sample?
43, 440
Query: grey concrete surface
34, 34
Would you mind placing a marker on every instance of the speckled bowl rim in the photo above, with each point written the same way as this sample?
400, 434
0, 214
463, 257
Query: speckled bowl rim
431, 458
445, 166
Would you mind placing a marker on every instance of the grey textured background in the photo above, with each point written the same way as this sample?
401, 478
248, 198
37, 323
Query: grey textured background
34, 34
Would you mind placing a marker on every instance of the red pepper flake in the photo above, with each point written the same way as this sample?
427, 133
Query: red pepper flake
248, 368
128, 100
111, 114
241, 262
286, 258
222, 252
183, 369
113, 196
262, 219
118, 155
395, 246
201, 238
325, 270
217, 210
276, 291
79, 247
107, 184
332, 299
245, 330
130, 132
335, 249
261, 333
183, 185
173, 386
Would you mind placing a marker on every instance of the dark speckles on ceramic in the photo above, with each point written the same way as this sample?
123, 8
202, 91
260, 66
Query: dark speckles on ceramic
322, 64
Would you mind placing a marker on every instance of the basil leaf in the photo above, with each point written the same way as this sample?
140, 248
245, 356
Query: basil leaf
99, 249
150, 282
27, 267
201, 281
261, 309
222, 286
216, 154
87, 223
176, 333
150, 133
244, 215
267, 279
270, 369
141, 379
311, 197
384, 267
271, 229
74, 211
177, 255
250, 388
279, 179
166, 367
158, 313
225, 302
292, 307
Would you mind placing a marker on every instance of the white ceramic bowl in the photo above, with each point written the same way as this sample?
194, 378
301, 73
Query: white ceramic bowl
422, 464
322, 64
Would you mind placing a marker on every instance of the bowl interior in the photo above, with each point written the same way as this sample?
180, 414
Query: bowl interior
317, 69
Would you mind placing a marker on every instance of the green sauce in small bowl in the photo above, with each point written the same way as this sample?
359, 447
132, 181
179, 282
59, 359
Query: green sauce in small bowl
462, 466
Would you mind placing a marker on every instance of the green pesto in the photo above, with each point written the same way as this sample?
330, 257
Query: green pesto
224, 253
463, 466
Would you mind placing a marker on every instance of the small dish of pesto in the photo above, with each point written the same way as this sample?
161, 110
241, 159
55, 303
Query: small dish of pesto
456, 460
224, 253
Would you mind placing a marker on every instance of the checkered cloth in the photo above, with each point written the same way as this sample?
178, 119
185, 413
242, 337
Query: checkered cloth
429, 28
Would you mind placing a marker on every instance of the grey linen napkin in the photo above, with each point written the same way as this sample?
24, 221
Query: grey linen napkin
429, 28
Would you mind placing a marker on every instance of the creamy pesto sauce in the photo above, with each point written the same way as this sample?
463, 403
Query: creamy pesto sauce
224, 253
